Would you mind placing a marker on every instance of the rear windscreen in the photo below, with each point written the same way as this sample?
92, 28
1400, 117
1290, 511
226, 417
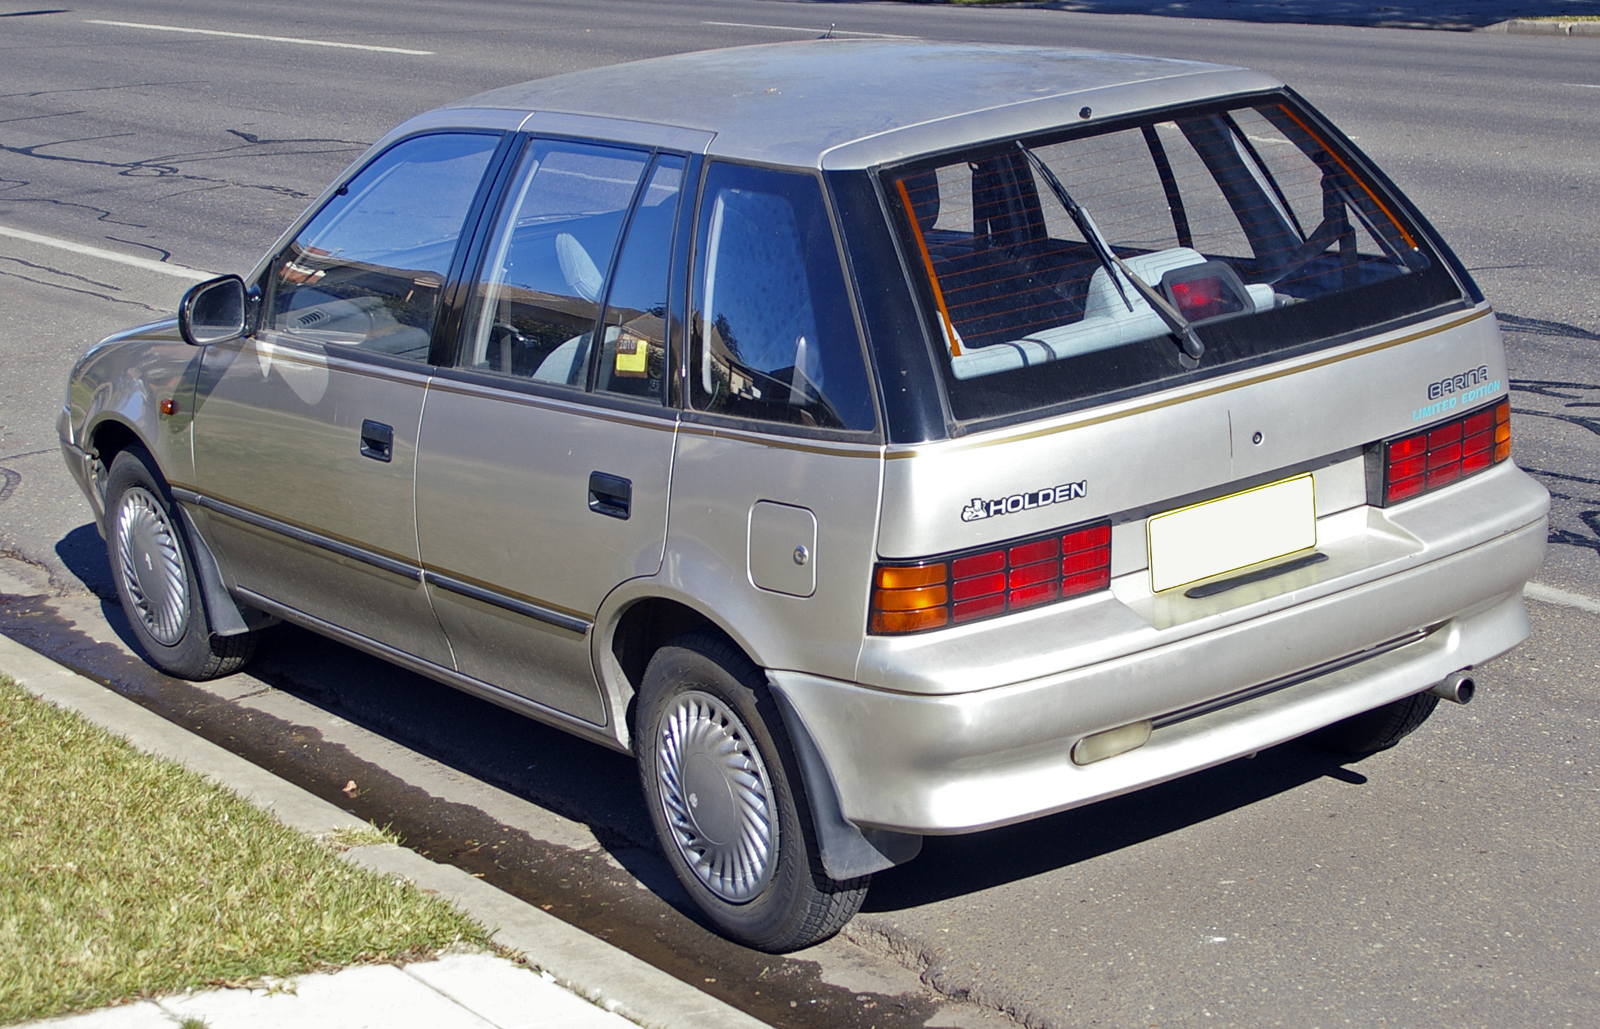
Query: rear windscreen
1059, 270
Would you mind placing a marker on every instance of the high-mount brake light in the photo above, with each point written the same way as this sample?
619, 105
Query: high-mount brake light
973, 584
1199, 299
1207, 290
1424, 461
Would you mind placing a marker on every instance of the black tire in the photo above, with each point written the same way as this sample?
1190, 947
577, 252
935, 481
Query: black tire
1378, 729
708, 725
152, 565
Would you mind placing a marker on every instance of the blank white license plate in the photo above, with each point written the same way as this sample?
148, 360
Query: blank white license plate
1203, 540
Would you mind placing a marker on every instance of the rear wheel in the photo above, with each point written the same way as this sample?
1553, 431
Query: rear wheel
1378, 729
726, 799
153, 568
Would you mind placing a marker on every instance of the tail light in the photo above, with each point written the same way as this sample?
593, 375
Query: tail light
974, 584
1416, 464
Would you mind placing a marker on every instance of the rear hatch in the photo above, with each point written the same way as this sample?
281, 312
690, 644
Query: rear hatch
1174, 351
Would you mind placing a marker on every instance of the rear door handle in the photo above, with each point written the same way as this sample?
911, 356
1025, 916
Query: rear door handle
610, 495
377, 440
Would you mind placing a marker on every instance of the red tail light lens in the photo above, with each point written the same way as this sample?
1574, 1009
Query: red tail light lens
1200, 299
970, 585
1464, 446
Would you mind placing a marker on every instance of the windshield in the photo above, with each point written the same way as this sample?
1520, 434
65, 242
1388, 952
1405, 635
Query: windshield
1060, 270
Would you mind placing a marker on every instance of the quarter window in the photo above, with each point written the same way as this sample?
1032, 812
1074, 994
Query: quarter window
774, 335
367, 271
537, 300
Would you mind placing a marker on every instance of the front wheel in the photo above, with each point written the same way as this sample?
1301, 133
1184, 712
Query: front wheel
726, 799
153, 568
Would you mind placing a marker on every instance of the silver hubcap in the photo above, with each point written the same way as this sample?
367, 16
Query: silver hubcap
152, 566
717, 797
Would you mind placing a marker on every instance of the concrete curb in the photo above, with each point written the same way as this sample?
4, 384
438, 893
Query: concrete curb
1532, 27
1550, 595
609, 977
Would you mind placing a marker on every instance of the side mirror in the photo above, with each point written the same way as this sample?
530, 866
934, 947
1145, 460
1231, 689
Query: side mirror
213, 311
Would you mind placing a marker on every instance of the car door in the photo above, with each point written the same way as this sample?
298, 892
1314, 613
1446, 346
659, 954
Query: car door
546, 452
305, 433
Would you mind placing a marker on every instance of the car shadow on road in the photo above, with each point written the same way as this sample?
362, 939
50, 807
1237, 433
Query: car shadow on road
599, 787
951, 866
83, 553
576, 779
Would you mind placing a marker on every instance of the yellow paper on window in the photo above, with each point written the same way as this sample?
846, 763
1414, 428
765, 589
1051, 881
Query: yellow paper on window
632, 353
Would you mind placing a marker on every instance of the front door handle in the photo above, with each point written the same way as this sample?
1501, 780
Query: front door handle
610, 495
377, 441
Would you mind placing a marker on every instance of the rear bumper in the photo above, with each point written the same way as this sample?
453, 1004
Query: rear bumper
969, 761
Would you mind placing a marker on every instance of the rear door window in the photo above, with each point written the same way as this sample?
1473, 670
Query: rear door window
774, 337
633, 352
1068, 269
534, 310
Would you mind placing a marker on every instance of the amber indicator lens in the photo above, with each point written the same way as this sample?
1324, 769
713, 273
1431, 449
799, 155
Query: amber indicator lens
1453, 450
979, 584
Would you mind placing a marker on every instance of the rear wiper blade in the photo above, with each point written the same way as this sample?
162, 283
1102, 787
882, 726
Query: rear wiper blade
1190, 347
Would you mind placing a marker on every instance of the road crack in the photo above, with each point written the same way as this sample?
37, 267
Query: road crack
171, 166
58, 271
84, 292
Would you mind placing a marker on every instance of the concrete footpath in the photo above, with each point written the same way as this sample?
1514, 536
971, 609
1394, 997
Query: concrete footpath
574, 980
458, 991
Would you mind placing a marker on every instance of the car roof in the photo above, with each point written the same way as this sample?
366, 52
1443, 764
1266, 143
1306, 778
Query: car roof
834, 103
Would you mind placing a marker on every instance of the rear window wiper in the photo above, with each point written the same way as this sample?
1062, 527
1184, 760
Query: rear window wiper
1189, 345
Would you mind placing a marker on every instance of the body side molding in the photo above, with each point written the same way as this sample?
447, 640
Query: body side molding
599, 733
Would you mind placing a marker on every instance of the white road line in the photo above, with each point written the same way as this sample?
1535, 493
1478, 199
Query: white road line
252, 35
1582, 85
806, 29
1551, 595
175, 270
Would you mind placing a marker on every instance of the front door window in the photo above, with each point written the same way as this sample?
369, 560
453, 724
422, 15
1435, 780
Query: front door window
368, 270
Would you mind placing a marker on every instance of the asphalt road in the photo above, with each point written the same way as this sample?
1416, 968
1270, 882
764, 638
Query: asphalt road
1446, 882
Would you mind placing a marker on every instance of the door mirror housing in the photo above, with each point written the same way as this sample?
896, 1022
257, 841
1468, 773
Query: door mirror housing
214, 311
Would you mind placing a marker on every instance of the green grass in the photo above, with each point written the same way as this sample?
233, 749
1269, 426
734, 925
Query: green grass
123, 875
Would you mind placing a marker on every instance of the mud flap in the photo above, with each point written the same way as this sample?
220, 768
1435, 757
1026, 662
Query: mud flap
848, 851
225, 616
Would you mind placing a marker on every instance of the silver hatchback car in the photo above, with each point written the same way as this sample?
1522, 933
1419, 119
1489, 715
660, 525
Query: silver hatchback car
877, 439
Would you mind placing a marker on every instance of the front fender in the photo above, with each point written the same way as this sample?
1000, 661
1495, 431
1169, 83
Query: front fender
122, 381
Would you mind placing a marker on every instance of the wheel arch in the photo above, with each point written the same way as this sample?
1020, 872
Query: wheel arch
630, 631
111, 436
104, 439
639, 626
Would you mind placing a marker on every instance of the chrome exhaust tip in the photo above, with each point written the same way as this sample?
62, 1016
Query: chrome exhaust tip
1457, 687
